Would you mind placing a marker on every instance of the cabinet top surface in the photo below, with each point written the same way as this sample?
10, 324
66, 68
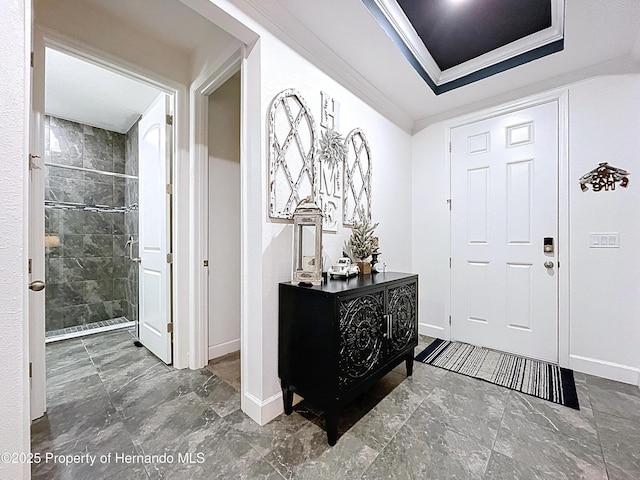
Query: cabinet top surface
339, 285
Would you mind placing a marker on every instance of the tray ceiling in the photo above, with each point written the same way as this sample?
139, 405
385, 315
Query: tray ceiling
452, 43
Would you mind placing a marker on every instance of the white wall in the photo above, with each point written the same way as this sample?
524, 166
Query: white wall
224, 218
431, 233
15, 42
391, 186
604, 126
604, 283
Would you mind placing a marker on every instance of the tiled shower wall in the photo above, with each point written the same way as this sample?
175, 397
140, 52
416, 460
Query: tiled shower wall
86, 266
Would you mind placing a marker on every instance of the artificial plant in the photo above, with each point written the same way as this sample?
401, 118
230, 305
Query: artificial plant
332, 148
362, 241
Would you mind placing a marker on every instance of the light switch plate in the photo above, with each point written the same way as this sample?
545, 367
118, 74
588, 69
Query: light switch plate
604, 240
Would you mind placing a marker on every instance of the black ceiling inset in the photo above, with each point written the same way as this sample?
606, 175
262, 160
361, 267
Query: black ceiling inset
452, 43
455, 31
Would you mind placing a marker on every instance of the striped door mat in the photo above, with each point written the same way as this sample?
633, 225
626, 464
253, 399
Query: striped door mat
533, 377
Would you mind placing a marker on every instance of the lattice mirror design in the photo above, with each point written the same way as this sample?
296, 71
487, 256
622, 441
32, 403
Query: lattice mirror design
357, 178
292, 146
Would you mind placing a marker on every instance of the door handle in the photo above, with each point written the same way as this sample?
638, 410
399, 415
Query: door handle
129, 244
37, 285
548, 264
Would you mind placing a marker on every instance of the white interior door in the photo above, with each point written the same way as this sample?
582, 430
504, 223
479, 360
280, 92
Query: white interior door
154, 156
36, 235
504, 190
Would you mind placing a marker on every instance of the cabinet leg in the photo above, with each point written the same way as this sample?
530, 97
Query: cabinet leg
287, 397
409, 363
331, 417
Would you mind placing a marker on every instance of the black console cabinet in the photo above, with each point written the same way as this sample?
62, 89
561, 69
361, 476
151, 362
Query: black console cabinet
338, 338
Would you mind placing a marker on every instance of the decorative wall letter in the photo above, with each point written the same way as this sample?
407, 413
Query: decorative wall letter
330, 112
357, 178
292, 146
604, 176
331, 156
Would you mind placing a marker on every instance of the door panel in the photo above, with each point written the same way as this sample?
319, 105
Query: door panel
504, 189
36, 233
403, 310
361, 337
154, 150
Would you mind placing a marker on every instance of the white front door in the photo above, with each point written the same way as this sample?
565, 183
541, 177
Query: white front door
154, 156
504, 191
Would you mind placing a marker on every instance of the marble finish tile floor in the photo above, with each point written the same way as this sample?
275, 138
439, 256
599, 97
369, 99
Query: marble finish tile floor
109, 399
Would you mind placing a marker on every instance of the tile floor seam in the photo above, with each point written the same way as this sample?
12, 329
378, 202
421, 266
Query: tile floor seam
604, 460
504, 412
118, 411
403, 424
258, 452
492, 451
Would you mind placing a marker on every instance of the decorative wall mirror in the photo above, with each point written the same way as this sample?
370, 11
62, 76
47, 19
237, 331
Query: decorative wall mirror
357, 178
292, 146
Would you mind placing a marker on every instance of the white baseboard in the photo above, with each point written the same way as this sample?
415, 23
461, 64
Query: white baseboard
221, 349
604, 369
262, 411
431, 330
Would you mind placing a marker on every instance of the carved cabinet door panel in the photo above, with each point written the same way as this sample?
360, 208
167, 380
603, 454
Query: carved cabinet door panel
401, 306
362, 339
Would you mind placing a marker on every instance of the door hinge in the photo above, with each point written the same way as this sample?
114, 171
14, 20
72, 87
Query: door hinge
30, 265
449, 262
449, 147
449, 320
30, 369
169, 119
449, 203
170, 327
32, 59
206, 263
169, 189
32, 164
169, 257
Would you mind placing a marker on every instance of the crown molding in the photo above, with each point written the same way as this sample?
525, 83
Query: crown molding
288, 29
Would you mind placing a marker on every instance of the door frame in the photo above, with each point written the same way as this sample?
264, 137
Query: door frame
47, 38
202, 87
561, 97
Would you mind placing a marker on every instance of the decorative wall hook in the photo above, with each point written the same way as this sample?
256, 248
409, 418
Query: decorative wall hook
604, 176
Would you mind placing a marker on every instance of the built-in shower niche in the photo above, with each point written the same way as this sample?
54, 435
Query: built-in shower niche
90, 213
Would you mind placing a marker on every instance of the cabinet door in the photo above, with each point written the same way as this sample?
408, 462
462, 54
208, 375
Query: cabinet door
361, 337
401, 306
